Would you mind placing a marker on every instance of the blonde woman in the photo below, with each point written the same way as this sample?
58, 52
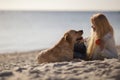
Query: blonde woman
101, 42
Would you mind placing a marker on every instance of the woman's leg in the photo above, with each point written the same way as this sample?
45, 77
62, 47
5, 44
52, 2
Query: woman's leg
80, 50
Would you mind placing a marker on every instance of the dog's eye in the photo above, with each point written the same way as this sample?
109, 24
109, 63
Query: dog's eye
76, 32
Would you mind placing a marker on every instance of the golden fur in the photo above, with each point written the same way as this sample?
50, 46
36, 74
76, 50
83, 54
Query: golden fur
63, 50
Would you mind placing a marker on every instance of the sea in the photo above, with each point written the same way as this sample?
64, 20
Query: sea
35, 30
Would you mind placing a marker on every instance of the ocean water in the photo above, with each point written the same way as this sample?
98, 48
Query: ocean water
33, 30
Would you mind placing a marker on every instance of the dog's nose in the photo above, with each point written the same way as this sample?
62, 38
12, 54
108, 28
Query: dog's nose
81, 31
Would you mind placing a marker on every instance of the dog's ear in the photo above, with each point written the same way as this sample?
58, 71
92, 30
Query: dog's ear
68, 38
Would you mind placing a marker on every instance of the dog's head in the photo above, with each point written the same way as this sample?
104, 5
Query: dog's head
73, 36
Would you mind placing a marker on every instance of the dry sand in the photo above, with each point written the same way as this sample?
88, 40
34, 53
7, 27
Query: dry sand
22, 66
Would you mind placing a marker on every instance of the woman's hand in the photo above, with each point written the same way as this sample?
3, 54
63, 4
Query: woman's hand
100, 43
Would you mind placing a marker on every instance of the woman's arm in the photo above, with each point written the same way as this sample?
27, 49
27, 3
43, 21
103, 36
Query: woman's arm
109, 48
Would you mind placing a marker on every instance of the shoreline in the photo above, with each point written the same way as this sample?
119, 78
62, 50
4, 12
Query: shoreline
38, 50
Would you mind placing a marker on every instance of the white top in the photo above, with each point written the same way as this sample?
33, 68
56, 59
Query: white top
109, 50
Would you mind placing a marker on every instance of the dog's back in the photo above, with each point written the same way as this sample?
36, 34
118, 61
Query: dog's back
60, 52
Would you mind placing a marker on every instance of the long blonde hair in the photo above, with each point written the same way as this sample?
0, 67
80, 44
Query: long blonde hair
102, 27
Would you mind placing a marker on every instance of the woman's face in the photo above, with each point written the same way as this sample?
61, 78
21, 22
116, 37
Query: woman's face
93, 27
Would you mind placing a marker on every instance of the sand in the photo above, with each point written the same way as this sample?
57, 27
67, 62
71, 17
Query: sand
23, 66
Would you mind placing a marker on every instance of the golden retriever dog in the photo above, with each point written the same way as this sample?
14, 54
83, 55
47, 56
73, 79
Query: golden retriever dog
63, 50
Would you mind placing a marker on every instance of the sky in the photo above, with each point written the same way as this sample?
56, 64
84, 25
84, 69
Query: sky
60, 5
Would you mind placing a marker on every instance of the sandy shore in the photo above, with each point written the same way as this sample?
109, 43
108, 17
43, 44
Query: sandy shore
22, 66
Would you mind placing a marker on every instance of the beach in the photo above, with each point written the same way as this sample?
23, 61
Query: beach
23, 66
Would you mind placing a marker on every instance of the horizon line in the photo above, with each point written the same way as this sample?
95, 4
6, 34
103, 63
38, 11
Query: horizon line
67, 10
